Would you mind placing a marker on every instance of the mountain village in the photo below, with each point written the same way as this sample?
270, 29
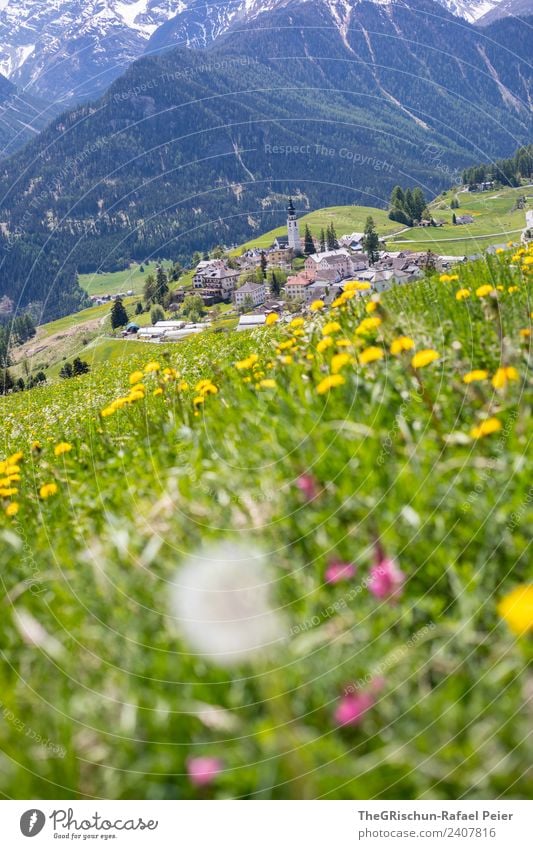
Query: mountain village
323, 276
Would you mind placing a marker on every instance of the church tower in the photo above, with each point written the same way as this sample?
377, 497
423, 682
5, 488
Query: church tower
292, 229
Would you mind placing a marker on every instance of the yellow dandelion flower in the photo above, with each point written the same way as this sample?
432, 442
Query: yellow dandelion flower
401, 343
286, 360
483, 291
324, 343
371, 307
330, 327
371, 355
475, 375
206, 387
152, 367
283, 346
329, 382
158, 391
503, 375
500, 250
182, 386
338, 361
512, 289
12, 509
272, 318
198, 401
461, 294
15, 458
485, 428
317, 305
47, 490
248, 363
343, 343
36, 447
368, 325
62, 448
525, 332
297, 322
356, 286
136, 377
268, 383
424, 358
516, 609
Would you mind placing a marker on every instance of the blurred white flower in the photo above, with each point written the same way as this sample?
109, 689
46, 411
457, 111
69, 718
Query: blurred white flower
221, 598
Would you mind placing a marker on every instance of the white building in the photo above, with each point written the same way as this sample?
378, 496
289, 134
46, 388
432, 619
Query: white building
248, 322
250, 293
293, 235
338, 261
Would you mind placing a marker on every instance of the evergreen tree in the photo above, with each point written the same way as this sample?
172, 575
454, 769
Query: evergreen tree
408, 203
454, 218
322, 240
149, 289
275, 285
139, 309
264, 265
331, 238
161, 286
419, 204
66, 371
119, 316
371, 241
309, 245
397, 198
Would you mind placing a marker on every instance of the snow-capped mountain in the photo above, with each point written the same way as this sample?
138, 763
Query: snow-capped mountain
70, 48
507, 9
197, 25
73, 49
470, 10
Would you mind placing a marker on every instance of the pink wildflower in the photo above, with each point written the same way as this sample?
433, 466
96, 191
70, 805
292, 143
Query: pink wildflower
386, 578
339, 571
202, 771
308, 486
352, 708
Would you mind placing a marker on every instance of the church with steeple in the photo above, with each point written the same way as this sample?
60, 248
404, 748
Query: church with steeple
293, 236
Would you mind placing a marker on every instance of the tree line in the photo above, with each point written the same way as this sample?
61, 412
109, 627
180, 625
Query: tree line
508, 172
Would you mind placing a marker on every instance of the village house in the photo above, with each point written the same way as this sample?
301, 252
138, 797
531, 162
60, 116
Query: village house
252, 294
280, 257
353, 241
215, 280
464, 219
339, 261
296, 287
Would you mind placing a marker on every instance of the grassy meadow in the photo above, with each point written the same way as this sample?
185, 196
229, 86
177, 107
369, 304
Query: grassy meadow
290, 563
496, 220
113, 282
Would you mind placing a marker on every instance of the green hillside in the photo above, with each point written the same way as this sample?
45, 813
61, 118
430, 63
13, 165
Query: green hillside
354, 482
497, 220
346, 219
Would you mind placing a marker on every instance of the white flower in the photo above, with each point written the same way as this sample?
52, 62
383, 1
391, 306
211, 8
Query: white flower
221, 598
